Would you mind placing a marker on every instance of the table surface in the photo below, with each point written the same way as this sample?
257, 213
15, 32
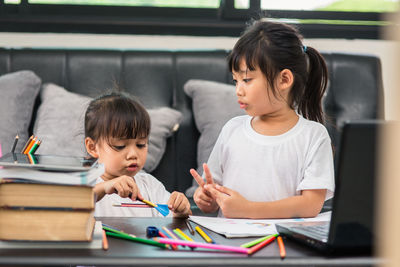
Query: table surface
127, 253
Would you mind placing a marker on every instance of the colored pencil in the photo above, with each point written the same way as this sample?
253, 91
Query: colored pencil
105, 241
213, 241
189, 226
15, 143
122, 235
112, 229
202, 245
169, 233
203, 235
132, 205
282, 250
138, 204
255, 242
28, 148
149, 203
35, 147
261, 245
26, 144
160, 233
182, 235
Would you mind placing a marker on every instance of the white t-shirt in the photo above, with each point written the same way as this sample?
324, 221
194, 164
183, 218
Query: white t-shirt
151, 190
268, 168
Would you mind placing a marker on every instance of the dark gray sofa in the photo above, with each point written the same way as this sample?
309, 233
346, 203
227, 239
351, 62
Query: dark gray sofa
157, 78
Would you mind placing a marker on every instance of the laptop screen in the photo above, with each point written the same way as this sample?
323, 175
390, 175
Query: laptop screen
352, 223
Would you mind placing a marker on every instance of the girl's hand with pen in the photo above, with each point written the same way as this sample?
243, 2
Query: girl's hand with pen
124, 186
203, 198
179, 204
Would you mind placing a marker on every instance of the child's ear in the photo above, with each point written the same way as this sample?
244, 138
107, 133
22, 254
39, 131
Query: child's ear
285, 79
91, 147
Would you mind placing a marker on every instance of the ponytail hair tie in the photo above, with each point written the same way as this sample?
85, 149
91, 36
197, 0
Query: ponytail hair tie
304, 48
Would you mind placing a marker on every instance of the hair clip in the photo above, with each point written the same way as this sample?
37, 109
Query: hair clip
304, 48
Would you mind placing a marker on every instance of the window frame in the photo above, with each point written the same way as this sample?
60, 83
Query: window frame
224, 21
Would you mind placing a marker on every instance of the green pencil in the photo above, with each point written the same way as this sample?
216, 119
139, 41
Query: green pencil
255, 242
136, 239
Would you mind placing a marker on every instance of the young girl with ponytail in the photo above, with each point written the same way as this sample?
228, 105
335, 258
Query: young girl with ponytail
276, 161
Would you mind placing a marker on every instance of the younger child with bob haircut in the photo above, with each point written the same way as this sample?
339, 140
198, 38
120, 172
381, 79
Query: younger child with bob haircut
117, 132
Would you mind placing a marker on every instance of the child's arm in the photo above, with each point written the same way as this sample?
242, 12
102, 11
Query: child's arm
234, 205
202, 197
124, 186
179, 205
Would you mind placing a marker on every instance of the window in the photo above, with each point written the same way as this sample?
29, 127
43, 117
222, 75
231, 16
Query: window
315, 18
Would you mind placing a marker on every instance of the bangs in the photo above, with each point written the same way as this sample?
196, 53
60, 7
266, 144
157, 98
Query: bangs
255, 50
126, 122
117, 117
250, 53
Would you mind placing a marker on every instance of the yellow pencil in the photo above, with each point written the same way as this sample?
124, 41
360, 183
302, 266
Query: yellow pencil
149, 203
184, 235
203, 235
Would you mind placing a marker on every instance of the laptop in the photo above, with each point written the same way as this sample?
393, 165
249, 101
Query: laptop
351, 228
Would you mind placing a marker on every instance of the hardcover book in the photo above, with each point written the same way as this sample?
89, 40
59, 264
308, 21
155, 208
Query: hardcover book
46, 224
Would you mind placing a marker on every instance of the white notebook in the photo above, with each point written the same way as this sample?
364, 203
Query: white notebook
231, 228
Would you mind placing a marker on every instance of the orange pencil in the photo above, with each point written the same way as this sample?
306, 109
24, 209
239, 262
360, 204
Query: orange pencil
105, 240
282, 250
26, 144
28, 148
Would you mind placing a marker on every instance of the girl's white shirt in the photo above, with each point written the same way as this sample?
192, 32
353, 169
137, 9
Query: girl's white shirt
151, 190
268, 168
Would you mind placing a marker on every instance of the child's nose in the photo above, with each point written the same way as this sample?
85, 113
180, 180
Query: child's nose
131, 154
239, 89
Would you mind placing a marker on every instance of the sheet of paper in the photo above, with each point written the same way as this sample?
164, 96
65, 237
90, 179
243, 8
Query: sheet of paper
246, 227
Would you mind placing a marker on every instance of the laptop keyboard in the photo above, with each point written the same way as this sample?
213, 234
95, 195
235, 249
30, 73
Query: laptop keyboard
319, 231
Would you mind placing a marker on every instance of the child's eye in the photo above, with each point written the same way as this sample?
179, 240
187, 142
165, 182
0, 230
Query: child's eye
141, 145
246, 80
118, 147
234, 81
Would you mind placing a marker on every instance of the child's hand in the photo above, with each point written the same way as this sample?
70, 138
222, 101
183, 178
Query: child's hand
124, 186
202, 196
179, 204
231, 203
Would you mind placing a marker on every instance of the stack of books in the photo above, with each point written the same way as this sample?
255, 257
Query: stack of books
42, 206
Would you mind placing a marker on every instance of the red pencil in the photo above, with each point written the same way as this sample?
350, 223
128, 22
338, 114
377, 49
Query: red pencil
260, 245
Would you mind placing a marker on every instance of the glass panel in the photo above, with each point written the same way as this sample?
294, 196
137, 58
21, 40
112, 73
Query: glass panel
154, 3
12, 1
242, 4
333, 5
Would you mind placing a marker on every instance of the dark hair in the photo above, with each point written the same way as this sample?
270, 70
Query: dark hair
274, 46
116, 115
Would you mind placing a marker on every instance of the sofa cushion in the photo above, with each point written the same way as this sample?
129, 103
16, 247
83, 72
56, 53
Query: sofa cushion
213, 105
60, 119
18, 94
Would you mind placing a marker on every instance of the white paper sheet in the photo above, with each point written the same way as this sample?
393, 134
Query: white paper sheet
231, 228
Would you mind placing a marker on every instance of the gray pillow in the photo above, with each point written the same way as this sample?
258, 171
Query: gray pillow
60, 118
18, 94
213, 105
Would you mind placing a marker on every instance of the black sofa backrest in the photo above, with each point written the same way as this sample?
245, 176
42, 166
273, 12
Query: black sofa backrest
157, 78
